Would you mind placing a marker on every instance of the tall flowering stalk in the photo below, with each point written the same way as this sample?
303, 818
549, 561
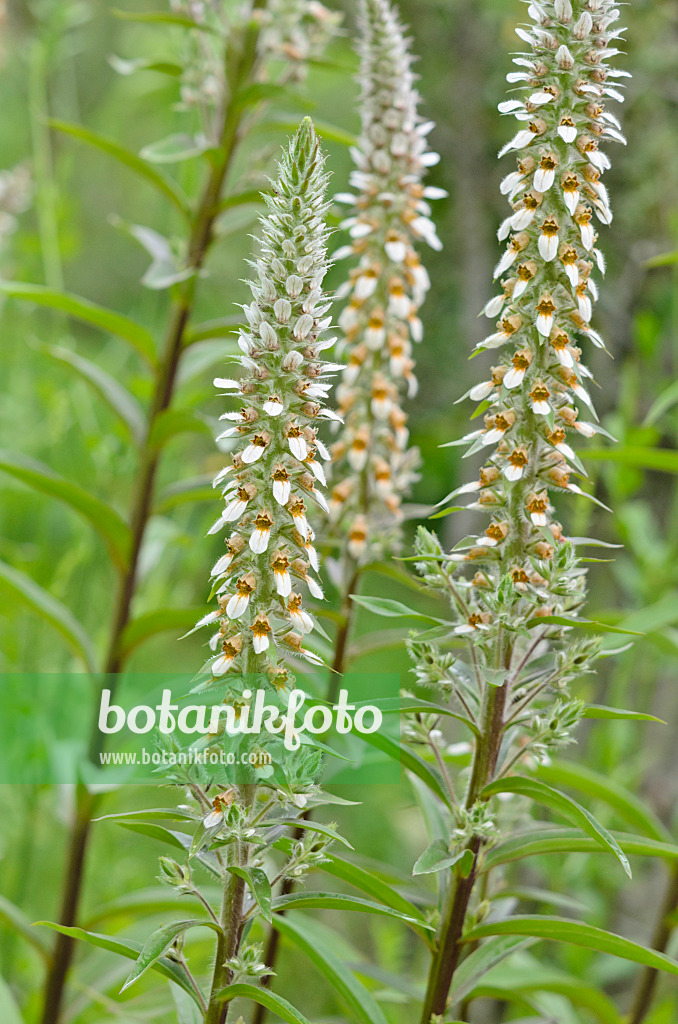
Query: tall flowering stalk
517, 586
390, 216
276, 469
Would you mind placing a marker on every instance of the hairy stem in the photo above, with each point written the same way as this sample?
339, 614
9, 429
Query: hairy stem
200, 239
643, 995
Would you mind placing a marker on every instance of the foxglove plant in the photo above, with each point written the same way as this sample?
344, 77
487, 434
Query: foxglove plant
224, 62
390, 217
518, 587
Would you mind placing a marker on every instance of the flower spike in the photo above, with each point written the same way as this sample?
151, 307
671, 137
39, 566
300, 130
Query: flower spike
274, 477
389, 218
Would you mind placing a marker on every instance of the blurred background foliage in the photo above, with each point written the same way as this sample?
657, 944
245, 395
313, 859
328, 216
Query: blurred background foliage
57, 63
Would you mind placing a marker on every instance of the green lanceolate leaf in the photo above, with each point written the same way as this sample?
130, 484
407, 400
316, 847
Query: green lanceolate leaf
162, 182
158, 943
259, 886
577, 933
568, 840
410, 761
129, 949
407, 705
600, 711
104, 519
362, 1004
153, 831
312, 826
437, 857
276, 1004
51, 610
89, 312
392, 609
587, 625
602, 787
340, 901
111, 390
481, 960
164, 620
371, 884
564, 806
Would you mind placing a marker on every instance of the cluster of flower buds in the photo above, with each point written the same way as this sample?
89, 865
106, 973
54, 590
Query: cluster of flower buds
15, 194
291, 34
296, 32
276, 469
390, 215
533, 395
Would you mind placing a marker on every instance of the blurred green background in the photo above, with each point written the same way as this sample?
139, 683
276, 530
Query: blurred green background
56, 63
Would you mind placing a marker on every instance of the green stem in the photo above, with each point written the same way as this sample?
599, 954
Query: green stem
449, 945
200, 240
643, 995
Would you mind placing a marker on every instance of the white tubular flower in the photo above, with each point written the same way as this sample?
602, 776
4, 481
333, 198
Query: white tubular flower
270, 480
534, 395
389, 219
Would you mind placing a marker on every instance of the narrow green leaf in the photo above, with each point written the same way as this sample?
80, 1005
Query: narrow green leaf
103, 518
392, 609
163, 620
567, 840
152, 813
340, 901
276, 1004
158, 943
585, 624
406, 705
129, 949
312, 826
437, 857
525, 979
562, 805
481, 960
116, 396
130, 67
259, 886
51, 610
600, 711
9, 1011
410, 761
371, 884
88, 312
362, 1004
164, 18
251, 195
611, 792
152, 175
16, 919
576, 933
153, 831
174, 149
